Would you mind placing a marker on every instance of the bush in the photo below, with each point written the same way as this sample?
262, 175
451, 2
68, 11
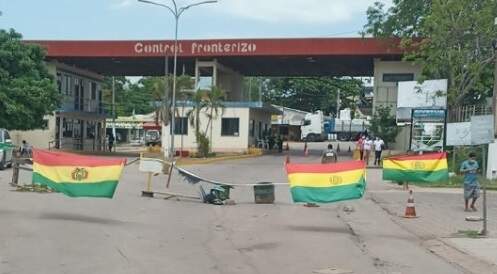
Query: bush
203, 145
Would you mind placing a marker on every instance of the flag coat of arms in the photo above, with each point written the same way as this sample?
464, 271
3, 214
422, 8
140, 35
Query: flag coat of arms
424, 168
326, 183
77, 175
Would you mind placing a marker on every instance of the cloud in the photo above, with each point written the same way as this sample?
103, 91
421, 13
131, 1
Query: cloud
121, 4
297, 11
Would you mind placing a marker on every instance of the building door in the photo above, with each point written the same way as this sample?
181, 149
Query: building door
57, 133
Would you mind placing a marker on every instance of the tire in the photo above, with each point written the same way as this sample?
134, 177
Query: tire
310, 138
2, 163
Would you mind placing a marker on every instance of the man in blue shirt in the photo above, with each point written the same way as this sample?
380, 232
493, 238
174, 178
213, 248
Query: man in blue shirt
471, 186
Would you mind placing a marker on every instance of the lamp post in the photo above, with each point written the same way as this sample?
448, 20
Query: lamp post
494, 97
176, 12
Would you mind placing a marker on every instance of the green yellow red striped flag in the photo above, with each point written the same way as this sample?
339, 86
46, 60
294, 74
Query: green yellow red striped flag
77, 175
424, 168
326, 183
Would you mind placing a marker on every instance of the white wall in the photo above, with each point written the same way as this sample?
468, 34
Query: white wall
385, 93
219, 143
38, 138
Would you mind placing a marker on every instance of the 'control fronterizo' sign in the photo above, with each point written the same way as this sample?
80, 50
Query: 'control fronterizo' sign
195, 48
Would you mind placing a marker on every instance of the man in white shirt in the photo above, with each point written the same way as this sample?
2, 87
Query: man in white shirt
378, 148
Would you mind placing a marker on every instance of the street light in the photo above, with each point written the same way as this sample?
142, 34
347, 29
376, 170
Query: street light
176, 12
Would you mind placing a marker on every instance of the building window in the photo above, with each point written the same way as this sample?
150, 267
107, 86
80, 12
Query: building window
398, 77
93, 91
59, 82
230, 127
252, 128
67, 81
90, 129
67, 127
181, 126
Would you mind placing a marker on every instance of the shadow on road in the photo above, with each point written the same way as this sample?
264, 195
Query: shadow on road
307, 228
79, 218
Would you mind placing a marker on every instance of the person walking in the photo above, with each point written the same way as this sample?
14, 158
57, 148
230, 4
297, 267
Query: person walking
471, 185
360, 146
378, 148
368, 145
329, 155
111, 142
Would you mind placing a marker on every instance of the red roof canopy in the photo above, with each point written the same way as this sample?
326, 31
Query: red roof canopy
262, 57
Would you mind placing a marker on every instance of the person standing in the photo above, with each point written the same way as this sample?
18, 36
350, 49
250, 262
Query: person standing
471, 185
360, 146
378, 148
368, 145
111, 142
329, 155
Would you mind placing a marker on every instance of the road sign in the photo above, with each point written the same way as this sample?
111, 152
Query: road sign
482, 129
459, 134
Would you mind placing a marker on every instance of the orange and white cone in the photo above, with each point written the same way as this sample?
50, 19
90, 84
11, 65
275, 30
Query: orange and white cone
410, 208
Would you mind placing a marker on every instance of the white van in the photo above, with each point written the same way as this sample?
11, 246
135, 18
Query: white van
6, 149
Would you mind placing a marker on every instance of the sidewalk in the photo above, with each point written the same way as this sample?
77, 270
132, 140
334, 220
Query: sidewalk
441, 216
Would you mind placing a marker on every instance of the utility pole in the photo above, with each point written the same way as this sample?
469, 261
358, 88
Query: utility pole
494, 97
113, 109
176, 11
338, 104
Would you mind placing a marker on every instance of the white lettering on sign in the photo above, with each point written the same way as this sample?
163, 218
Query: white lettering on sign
220, 47
146, 48
196, 48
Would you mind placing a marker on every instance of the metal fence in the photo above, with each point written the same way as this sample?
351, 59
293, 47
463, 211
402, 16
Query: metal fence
464, 113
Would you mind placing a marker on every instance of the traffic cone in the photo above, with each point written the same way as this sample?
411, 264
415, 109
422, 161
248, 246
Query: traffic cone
287, 159
410, 208
338, 148
306, 151
287, 146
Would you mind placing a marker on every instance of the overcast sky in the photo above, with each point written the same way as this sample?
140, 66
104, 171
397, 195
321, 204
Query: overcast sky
129, 19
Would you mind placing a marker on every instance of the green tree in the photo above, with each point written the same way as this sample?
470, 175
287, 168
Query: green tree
404, 19
214, 106
384, 125
451, 39
27, 90
311, 94
209, 102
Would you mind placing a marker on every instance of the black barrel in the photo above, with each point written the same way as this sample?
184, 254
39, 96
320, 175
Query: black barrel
264, 193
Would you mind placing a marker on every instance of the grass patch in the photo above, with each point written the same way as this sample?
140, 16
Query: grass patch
457, 182
469, 233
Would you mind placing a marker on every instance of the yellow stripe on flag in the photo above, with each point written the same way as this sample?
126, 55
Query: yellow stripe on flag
416, 165
325, 179
75, 174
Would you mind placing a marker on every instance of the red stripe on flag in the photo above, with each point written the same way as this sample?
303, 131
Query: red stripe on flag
51, 158
324, 168
424, 156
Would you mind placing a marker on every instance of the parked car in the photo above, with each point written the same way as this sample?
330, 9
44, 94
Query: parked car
6, 149
152, 137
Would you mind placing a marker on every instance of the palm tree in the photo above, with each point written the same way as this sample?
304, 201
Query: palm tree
209, 102
214, 104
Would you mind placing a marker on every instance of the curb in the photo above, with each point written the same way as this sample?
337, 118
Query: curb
213, 160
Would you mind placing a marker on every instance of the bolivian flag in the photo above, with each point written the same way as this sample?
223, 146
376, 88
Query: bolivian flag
425, 168
327, 183
76, 175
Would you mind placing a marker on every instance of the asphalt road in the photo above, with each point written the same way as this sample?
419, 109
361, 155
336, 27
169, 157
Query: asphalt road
51, 233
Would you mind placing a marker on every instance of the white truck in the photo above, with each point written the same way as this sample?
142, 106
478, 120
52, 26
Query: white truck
315, 127
318, 127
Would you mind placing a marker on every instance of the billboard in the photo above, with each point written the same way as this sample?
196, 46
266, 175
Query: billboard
427, 129
411, 94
